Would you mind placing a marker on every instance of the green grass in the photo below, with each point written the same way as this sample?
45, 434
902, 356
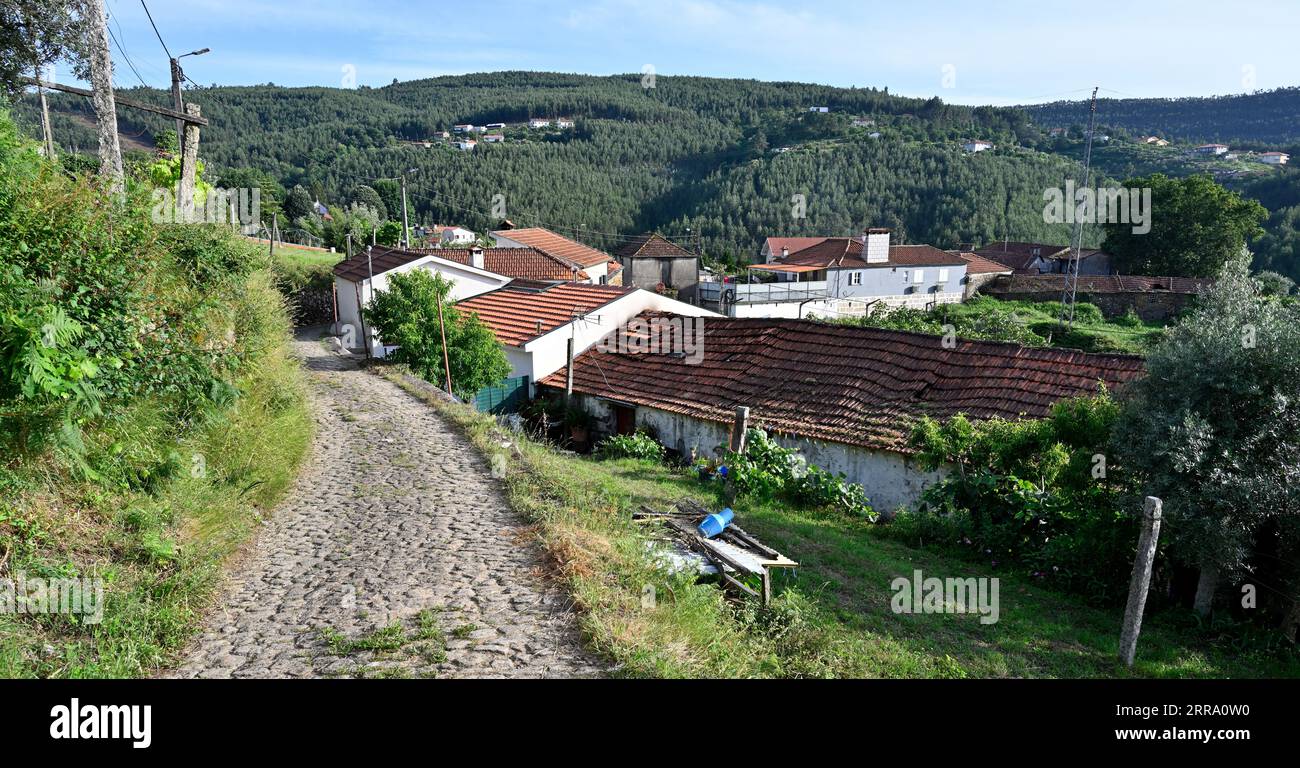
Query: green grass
830, 619
160, 548
1091, 333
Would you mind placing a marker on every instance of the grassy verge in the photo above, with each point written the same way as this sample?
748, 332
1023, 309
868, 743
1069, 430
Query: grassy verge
159, 546
832, 618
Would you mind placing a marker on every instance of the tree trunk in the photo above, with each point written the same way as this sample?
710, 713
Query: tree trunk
101, 79
1291, 621
1205, 589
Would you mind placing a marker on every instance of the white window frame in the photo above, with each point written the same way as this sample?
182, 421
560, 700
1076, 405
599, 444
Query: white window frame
943, 276
918, 276
855, 278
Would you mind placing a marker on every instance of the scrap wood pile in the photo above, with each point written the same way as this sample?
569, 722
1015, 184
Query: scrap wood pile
712, 544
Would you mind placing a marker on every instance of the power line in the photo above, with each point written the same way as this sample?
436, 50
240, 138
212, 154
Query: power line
122, 51
155, 29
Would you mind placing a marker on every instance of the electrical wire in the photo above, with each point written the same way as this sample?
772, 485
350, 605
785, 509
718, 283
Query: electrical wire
155, 30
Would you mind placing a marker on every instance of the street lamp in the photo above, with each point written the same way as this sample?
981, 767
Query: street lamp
177, 77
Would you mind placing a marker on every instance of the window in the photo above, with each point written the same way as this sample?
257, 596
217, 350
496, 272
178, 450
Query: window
943, 275
918, 276
604, 279
855, 278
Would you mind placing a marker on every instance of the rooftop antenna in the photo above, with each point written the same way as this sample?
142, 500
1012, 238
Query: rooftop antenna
1071, 290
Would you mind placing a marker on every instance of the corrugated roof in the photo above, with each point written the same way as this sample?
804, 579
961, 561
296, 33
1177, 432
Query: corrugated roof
520, 312
846, 384
561, 247
652, 245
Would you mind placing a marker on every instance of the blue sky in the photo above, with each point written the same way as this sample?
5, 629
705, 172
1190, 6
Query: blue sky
984, 52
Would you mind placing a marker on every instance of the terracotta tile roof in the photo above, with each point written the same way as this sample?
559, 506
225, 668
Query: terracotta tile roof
1019, 255
522, 311
795, 244
651, 244
548, 242
382, 259
847, 252
1100, 284
979, 265
860, 386
526, 263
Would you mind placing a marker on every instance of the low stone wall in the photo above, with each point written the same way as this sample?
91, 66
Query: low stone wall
1151, 306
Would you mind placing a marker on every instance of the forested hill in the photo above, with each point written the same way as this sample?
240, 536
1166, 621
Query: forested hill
718, 160
1267, 117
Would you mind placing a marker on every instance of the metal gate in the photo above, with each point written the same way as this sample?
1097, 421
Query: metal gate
506, 397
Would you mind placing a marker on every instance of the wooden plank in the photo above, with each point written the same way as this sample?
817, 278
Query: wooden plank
132, 103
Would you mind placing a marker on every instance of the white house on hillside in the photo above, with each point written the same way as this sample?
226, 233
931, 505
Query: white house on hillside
977, 146
456, 236
1274, 158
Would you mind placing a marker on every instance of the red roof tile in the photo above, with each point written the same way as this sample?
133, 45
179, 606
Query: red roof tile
775, 244
979, 265
847, 252
520, 312
548, 242
652, 245
1019, 255
525, 263
845, 384
1099, 284
382, 259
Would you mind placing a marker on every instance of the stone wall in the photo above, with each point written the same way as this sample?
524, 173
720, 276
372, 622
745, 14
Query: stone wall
1151, 306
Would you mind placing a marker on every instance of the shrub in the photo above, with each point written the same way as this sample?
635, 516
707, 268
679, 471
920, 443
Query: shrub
634, 446
767, 471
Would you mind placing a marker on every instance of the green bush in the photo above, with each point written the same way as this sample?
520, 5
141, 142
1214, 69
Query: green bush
1032, 494
635, 446
767, 471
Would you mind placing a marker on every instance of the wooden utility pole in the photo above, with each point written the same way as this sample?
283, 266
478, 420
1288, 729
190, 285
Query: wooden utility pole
1141, 580
446, 359
568, 373
189, 160
101, 78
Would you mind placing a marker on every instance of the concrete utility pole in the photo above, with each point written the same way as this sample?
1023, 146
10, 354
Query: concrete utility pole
101, 79
178, 77
189, 161
739, 428
1141, 581
47, 134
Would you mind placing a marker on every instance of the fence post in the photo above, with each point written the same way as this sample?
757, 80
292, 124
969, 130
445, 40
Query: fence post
1137, 589
738, 429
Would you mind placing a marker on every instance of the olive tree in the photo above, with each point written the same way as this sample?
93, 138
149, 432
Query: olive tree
1214, 427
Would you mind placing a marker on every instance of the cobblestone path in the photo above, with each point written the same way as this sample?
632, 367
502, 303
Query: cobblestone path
395, 554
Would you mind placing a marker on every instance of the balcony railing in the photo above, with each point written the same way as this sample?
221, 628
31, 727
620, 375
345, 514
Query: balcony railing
762, 293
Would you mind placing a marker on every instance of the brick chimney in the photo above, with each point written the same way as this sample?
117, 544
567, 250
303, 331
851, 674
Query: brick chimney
876, 245
476, 257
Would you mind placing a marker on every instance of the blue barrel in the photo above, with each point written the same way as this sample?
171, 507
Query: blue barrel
713, 524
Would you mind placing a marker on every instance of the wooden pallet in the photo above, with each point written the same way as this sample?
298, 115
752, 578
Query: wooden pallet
734, 551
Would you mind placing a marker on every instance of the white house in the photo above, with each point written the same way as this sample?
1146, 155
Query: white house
539, 122
495, 126
466, 145
493, 138
456, 236
1211, 149
844, 396
819, 109
356, 281
841, 276
463, 128
977, 146
564, 122
1274, 158
534, 321
597, 264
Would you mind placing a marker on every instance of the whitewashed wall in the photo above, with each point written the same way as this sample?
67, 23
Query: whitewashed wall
891, 479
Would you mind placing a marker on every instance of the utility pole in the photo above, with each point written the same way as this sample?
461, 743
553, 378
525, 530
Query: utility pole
177, 104
101, 78
406, 227
1071, 290
189, 162
47, 134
